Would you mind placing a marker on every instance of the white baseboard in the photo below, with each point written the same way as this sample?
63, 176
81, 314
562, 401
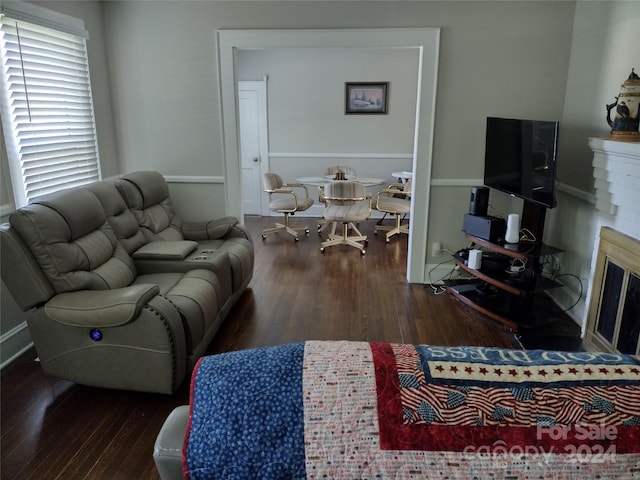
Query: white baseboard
14, 343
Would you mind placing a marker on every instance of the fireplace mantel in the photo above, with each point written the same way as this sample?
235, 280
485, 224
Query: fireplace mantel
616, 171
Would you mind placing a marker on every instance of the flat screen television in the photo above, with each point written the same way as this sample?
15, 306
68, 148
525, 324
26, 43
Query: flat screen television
520, 158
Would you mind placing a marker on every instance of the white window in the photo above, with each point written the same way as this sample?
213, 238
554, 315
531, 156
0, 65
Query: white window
47, 108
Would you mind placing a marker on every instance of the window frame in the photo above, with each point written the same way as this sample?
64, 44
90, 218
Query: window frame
68, 129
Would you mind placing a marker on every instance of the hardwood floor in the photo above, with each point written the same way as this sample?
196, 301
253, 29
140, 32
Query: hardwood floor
53, 429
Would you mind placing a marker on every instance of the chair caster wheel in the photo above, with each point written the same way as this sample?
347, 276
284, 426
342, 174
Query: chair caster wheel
264, 238
296, 239
306, 232
362, 252
387, 240
321, 249
375, 232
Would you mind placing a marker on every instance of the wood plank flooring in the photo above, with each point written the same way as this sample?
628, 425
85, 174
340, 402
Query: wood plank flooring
53, 429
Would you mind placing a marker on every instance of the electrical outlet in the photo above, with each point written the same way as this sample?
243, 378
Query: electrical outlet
436, 249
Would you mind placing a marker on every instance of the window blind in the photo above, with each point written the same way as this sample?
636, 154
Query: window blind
47, 111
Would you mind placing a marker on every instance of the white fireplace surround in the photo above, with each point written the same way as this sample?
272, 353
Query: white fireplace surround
616, 170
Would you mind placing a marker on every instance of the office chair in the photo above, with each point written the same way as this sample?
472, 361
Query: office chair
348, 203
396, 200
284, 199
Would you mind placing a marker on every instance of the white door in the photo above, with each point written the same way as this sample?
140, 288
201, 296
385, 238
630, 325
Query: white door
254, 159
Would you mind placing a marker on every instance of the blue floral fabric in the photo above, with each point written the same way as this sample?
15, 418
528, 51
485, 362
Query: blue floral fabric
242, 403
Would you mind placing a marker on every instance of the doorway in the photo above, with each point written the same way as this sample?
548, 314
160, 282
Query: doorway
426, 41
254, 145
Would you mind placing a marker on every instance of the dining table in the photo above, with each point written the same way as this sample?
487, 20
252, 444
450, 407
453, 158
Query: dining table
321, 181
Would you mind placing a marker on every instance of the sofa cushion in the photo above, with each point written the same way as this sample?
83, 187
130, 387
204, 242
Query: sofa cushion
70, 238
147, 195
122, 220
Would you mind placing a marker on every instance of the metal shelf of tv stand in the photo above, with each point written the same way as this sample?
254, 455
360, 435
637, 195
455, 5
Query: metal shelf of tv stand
532, 284
462, 296
536, 283
515, 285
525, 316
521, 251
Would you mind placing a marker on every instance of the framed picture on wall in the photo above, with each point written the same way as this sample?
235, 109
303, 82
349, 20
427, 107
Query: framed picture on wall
366, 97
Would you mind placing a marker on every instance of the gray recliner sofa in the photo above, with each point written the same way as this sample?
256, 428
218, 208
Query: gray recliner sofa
110, 305
147, 195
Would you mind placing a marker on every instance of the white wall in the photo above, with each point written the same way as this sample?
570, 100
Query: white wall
306, 98
605, 46
308, 128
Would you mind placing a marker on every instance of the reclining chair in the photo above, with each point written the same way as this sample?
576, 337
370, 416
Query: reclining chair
395, 199
346, 203
93, 318
284, 199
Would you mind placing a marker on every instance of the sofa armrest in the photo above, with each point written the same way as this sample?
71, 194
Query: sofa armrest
165, 250
167, 450
20, 271
210, 230
100, 308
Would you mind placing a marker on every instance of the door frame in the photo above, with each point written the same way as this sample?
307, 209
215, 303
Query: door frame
260, 86
427, 43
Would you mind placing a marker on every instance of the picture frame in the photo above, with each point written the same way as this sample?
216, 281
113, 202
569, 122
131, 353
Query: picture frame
366, 98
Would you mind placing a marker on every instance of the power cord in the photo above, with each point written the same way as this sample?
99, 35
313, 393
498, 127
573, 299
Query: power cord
579, 282
440, 289
527, 236
517, 266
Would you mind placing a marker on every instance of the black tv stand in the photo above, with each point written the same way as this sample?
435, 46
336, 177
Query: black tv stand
515, 299
533, 216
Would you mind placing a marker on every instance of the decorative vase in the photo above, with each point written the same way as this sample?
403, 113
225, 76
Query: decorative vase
624, 125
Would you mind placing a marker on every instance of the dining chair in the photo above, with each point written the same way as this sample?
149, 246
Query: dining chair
395, 200
284, 199
347, 203
336, 172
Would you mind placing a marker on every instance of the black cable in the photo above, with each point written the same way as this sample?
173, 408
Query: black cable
579, 282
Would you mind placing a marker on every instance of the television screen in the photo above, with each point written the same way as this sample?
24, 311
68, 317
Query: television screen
520, 158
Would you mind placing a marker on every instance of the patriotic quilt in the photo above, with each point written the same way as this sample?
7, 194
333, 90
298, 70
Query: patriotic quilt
377, 410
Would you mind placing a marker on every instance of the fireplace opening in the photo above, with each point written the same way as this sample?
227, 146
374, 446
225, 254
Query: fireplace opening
614, 312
